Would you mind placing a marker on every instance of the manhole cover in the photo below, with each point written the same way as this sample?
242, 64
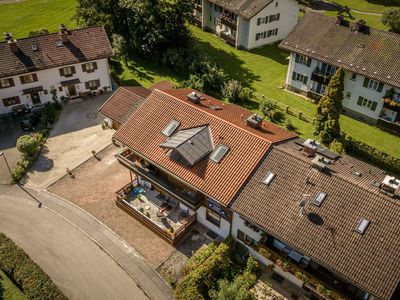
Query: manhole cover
91, 115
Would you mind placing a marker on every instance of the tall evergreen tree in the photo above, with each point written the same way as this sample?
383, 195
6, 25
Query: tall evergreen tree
327, 125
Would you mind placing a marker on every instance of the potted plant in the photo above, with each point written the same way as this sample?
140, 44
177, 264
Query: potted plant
141, 209
148, 215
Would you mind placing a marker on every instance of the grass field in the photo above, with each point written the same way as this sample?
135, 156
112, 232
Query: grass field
8, 291
25, 16
364, 5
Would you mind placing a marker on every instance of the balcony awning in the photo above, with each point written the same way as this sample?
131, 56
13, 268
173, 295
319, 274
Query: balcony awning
69, 82
32, 90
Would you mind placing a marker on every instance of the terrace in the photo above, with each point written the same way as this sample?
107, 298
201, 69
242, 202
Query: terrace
159, 212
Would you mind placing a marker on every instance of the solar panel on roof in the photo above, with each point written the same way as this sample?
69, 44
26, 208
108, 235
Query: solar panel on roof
319, 199
219, 153
170, 128
362, 226
268, 178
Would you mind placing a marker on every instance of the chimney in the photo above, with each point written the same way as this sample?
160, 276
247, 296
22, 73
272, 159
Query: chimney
319, 163
390, 185
254, 121
194, 97
63, 33
340, 19
11, 42
310, 147
359, 26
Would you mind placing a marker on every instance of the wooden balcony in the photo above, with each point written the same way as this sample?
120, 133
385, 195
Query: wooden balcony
229, 22
320, 77
196, 22
130, 160
230, 40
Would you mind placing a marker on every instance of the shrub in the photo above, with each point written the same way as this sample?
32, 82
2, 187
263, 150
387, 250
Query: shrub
276, 116
195, 82
267, 107
246, 94
336, 146
289, 125
148, 215
264, 252
239, 289
198, 258
57, 105
28, 145
50, 113
303, 277
252, 265
231, 90
25, 273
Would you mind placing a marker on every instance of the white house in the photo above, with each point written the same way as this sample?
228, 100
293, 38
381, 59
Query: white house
69, 64
247, 24
368, 56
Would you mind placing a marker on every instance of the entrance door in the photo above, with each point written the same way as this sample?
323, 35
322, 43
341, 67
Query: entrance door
71, 90
35, 98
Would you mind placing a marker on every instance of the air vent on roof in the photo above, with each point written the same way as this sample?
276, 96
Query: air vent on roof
219, 153
34, 46
194, 97
362, 226
170, 128
254, 121
319, 199
268, 178
319, 162
310, 147
390, 185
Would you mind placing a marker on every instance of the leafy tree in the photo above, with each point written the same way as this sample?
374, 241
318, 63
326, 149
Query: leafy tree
239, 289
231, 90
267, 107
327, 125
391, 18
28, 145
195, 82
38, 32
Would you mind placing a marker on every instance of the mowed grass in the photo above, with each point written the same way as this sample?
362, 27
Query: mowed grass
265, 69
8, 290
371, 20
22, 17
365, 5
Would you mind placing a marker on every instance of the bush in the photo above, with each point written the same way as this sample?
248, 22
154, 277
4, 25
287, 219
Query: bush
25, 273
195, 82
289, 125
50, 113
252, 265
28, 145
267, 107
246, 94
57, 105
198, 258
239, 289
336, 146
231, 90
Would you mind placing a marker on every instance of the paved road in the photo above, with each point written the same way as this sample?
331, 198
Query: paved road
75, 263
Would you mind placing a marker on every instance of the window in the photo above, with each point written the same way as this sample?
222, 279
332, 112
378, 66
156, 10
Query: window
213, 218
268, 178
28, 78
262, 20
219, 153
373, 84
67, 71
89, 67
273, 18
265, 34
92, 84
367, 103
11, 101
304, 60
5, 83
170, 128
319, 199
272, 32
240, 235
276, 4
299, 77
353, 76
248, 240
362, 226
348, 95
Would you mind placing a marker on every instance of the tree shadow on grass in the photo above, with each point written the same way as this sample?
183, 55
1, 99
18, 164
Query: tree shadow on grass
228, 60
272, 52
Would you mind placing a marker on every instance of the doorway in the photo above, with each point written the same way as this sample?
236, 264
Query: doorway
35, 98
71, 90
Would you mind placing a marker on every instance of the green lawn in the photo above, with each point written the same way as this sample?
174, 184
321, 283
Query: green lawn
365, 5
21, 18
8, 291
372, 21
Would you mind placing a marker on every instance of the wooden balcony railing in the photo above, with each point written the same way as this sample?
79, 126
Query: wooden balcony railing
171, 238
230, 40
229, 22
196, 22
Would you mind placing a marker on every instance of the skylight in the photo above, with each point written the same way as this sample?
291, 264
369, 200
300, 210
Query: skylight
319, 199
268, 178
170, 128
59, 43
362, 225
219, 153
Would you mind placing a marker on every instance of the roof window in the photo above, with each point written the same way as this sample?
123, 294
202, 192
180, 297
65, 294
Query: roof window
59, 43
219, 153
170, 128
362, 225
268, 178
319, 199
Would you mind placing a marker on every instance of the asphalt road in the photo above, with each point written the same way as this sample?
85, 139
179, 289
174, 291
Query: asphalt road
75, 263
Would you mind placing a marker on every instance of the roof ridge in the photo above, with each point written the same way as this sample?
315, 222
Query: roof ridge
217, 117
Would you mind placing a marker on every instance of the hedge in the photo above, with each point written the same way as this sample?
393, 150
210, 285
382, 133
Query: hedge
29, 277
196, 284
198, 258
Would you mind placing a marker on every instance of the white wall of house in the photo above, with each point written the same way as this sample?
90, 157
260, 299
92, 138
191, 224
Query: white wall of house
288, 10
238, 224
353, 89
51, 78
223, 230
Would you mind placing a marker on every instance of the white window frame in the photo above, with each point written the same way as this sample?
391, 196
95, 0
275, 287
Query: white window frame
373, 84
5, 83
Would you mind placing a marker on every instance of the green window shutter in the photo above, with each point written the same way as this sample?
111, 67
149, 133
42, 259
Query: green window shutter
309, 62
374, 104
380, 87
366, 81
297, 59
278, 16
294, 76
360, 100
258, 21
305, 79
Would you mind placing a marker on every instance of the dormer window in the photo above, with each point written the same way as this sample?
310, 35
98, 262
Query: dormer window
219, 153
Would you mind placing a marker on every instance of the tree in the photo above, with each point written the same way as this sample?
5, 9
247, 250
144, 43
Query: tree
239, 289
267, 107
28, 145
231, 90
391, 18
327, 125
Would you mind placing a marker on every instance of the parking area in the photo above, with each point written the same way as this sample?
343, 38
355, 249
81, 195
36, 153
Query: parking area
76, 134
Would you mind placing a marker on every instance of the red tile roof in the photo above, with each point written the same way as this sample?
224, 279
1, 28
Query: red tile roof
84, 45
120, 106
370, 261
221, 181
162, 85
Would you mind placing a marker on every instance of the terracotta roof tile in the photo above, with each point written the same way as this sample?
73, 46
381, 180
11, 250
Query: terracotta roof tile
246, 8
373, 53
222, 181
371, 260
120, 106
85, 44
163, 85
